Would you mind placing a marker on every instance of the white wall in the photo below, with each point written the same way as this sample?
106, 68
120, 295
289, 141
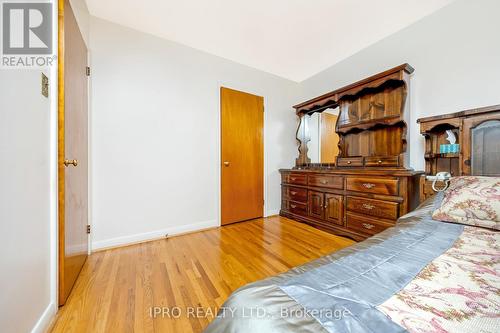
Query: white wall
27, 203
155, 134
155, 113
28, 198
455, 53
82, 16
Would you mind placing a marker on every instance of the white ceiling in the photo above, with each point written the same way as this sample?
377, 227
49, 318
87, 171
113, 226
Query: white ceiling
294, 39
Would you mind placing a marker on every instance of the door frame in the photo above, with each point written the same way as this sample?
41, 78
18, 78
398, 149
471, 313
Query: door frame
222, 84
61, 169
60, 150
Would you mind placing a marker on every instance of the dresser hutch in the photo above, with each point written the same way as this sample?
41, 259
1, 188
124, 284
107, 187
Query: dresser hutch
370, 185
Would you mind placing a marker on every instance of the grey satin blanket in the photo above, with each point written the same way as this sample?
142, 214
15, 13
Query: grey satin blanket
339, 292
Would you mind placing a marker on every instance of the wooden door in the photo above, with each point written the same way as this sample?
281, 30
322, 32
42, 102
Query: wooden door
73, 151
316, 204
242, 156
481, 145
334, 208
329, 138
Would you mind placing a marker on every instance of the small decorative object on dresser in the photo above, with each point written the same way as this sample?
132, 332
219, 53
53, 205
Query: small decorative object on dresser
370, 186
477, 132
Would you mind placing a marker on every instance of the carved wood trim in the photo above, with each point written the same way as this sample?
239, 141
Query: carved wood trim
396, 73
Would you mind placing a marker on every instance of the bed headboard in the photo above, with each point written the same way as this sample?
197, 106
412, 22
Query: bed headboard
477, 134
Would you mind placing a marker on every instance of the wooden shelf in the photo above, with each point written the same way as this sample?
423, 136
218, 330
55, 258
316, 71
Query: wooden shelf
443, 155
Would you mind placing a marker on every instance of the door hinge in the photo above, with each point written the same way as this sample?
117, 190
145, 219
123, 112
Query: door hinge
87, 70
88, 228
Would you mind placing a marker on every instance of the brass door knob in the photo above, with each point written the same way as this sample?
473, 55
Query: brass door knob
226, 163
70, 162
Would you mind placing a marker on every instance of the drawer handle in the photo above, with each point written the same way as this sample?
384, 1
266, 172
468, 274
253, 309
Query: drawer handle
293, 206
349, 162
368, 226
293, 178
368, 206
368, 185
379, 161
324, 182
293, 192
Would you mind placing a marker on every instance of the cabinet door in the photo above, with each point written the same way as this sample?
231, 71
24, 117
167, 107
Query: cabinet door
481, 145
316, 204
334, 208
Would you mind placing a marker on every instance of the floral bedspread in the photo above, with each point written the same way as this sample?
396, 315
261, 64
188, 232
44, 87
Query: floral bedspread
459, 291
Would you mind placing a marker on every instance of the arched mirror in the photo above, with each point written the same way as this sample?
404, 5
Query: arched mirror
317, 132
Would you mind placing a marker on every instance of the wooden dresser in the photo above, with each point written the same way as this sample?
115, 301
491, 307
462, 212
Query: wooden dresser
353, 203
370, 186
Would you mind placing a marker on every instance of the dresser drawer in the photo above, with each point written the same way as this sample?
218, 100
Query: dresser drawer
297, 208
297, 178
387, 186
383, 161
326, 181
349, 161
365, 224
378, 208
295, 193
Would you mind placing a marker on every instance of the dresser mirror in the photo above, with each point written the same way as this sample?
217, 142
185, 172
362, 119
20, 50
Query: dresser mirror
318, 131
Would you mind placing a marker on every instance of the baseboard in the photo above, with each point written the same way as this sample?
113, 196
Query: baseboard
272, 212
147, 236
75, 249
46, 318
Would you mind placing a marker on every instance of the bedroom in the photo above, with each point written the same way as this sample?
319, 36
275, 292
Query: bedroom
162, 253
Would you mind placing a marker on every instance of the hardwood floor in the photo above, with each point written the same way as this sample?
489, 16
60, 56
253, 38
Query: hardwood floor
118, 288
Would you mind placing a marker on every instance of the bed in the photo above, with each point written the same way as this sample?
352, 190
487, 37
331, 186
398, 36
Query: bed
396, 281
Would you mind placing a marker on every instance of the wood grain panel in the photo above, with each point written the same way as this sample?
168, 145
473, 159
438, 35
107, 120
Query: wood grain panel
387, 186
73, 144
334, 208
117, 287
242, 154
297, 178
297, 194
366, 224
349, 161
316, 204
297, 208
382, 161
326, 181
378, 208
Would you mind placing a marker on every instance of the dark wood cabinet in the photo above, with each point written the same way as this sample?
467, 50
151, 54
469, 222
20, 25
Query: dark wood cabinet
316, 204
326, 207
477, 132
370, 186
359, 205
334, 208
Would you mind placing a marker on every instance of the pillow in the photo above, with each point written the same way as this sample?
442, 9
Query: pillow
471, 200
